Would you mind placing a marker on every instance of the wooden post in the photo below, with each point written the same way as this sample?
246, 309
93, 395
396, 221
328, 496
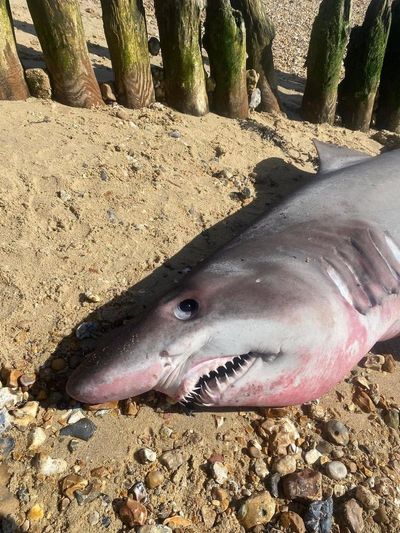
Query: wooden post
12, 81
329, 37
388, 112
225, 41
179, 26
60, 31
363, 66
126, 33
260, 33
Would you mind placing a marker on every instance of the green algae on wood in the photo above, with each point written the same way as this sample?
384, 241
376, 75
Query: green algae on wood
388, 111
126, 33
59, 27
179, 26
363, 66
329, 37
12, 81
225, 42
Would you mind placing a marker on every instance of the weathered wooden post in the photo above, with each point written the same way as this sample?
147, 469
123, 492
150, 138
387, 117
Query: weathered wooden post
60, 31
179, 26
329, 37
260, 33
225, 41
12, 80
388, 112
126, 33
363, 66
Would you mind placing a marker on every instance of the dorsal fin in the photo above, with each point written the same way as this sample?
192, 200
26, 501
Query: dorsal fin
333, 157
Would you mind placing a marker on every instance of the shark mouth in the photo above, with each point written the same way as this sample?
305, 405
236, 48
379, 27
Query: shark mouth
210, 386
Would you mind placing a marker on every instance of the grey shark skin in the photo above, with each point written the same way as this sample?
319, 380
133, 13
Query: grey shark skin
284, 311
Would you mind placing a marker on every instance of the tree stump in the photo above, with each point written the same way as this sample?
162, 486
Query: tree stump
60, 31
260, 33
363, 66
179, 26
12, 80
225, 42
388, 112
126, 33
329, 37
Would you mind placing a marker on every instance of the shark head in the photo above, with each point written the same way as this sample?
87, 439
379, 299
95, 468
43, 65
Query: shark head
218, 340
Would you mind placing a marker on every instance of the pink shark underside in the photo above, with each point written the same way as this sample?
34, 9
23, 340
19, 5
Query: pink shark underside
283, 312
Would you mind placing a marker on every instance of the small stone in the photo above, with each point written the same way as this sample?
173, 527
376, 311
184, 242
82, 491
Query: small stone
146, 455
100, 472
255, 99
353, 516
138, 491
260, 468
93, 518
35, 513
219, 472
285, 465
38, 83
77, 414
209, 516
306, 484
154, 529
154, 479
48, 466
336, 470
336, 432
272, 484
172, 460
254, 452
177, 521
392, 418
7, 444
73, 445
90, 297
27, 380
132, 513
390, 364
5, 420
324, 447
222, 496
154, 46
123, 114
107, 92
36, 438
58, 364
83, 429
87, 330
130, 408
24, 416
104, 175
105, 521
312, 456
292, 522
257, 510
318, 518
175, 134
381, 516
12, 376
107, 406
72, 483
8, 398
64, 196
366, 498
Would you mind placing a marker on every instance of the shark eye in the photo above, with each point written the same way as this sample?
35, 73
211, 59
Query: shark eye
186, 309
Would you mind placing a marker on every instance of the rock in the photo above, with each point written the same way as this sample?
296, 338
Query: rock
93, 518
154, 479
324, 447
27, 380
107, 92
177, 521
138, 491
336, 432
175, 134
282, 435
260, 468
77, 414
24, 416
87, 330
389, 139
257, 510
255, 99
366, 498
292, 522
222, 496
38, 83
72, 483
104, 176
122, 114
318, 518
5, 420
83, 429
285, 465
219, 472
209, 516
130, 408
172, 460
392, 418
390, 364
336, 470
272, 484
7, 444
9, 398
48, 466
353, 516
306, 485
252, 78
154, 46
254, 452
106, 406
35, 513
154, 529
381, 516
36, 438
312, 456
146, 455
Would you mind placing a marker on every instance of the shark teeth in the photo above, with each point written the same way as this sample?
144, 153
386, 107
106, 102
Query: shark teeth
216, 381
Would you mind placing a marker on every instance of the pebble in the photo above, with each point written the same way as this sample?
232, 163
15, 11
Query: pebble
209, 516
272, 484
392, 418
285, 465
353, 516
389, 365
366, 498
8, 398
64, 196
255, 99
381, 516
260, 468
175, 134
146, 455
27, 380
72, 483
220, 495
36, 438
312, 456
257, 510
104, 175
336, 470
76, 414
5, 420
138, 491
35, 513
336, 432
24, 416
107, 92
83, 429
154, 529
93, 518
154, 46
7, 444
73, 445
123, 114
292, 522
219, 472
154, 479
172, 460
318, 518
38, 83
132, 513
105, 521
306, 484
47, 466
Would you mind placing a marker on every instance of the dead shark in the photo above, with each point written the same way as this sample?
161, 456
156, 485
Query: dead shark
283, 312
